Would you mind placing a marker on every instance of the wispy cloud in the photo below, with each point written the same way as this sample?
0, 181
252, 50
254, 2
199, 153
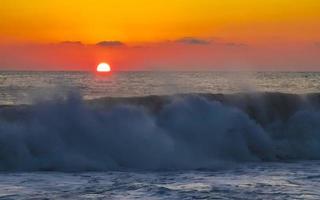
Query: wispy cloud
73, 43
193, 41
201, 41
110, 44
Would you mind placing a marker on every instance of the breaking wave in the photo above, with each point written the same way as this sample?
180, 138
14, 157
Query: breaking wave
191, 131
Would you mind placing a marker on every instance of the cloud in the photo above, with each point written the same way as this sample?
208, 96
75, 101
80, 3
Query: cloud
110, 44
317, 44
201, 41
73, 43
193, 41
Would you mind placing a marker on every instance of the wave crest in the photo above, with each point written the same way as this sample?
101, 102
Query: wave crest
173, 132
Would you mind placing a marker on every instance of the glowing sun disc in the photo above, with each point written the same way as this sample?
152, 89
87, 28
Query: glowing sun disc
103, 67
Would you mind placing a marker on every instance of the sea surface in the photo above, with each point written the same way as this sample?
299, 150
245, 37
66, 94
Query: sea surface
250, 181
200, 135
25, 87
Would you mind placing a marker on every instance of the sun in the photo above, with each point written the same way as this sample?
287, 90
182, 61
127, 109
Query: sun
103, 67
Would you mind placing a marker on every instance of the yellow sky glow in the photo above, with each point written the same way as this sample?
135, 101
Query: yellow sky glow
91, 21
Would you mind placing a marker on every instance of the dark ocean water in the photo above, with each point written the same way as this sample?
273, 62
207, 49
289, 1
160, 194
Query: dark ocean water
201, 135
298, 180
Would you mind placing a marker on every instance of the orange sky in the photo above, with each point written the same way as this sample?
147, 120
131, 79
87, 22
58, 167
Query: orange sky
175, 34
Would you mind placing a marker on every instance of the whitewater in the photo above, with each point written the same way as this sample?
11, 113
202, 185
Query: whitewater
81, 144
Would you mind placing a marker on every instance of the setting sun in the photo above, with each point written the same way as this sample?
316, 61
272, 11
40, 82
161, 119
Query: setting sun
103, 67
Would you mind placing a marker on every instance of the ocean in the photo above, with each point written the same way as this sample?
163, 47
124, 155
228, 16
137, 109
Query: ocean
24, 87
159, 135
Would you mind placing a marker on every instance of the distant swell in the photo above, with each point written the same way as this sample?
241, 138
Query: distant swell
194, 131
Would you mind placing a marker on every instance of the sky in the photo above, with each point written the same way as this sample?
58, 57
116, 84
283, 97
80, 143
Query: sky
160, 35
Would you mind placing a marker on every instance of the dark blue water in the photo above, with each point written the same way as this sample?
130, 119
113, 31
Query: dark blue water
300, 180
